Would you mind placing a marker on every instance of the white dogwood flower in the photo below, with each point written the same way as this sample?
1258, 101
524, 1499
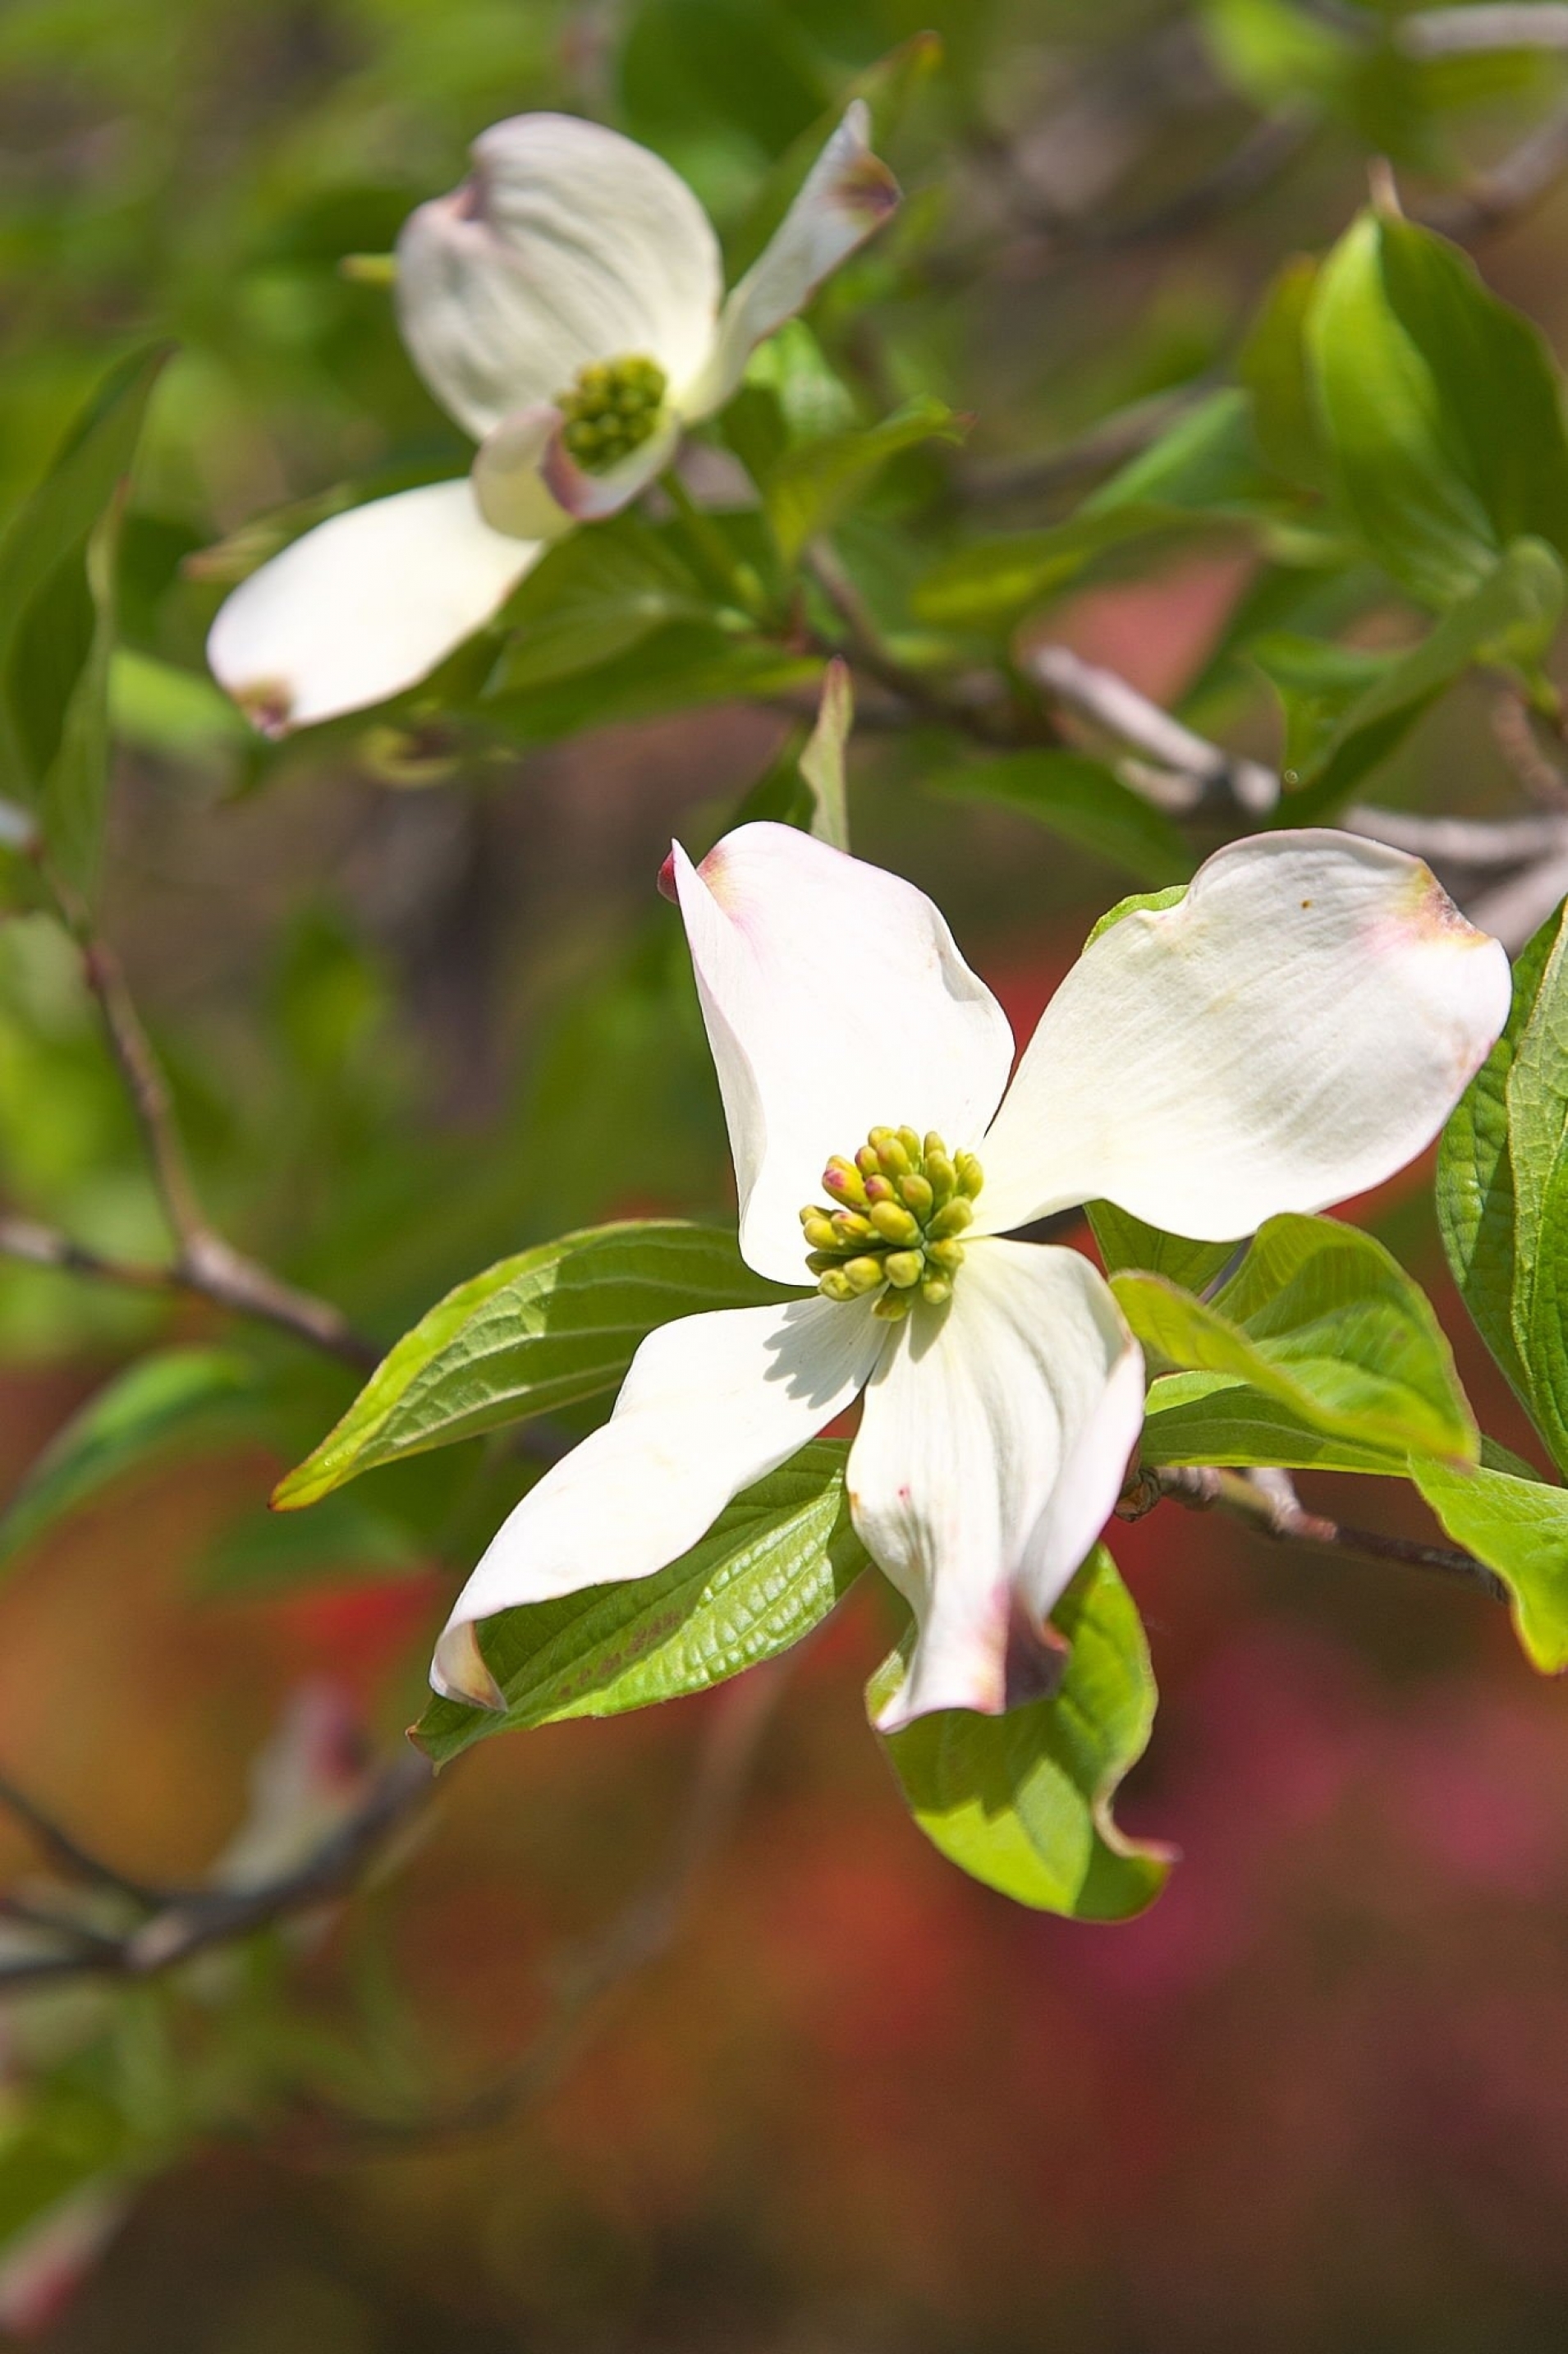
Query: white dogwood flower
1294, 1030
567, 307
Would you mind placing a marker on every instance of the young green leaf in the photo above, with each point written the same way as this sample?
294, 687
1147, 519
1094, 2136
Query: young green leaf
1535, 1092
774, 1563
535, 1333
1125, 1241
811, 484
179, 1398
1219, 1418
1509, 618
57, 562
1023, 1801
1320, 1318
594, 594
1475, 1207
1440, 406
1518, 1527
1083, 800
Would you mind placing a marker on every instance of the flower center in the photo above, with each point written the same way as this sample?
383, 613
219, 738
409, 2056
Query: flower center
898, 1210
612, 408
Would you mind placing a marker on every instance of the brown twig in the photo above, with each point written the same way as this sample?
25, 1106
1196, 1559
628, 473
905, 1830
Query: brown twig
1269, 1505
204, 1263
1196, 774
175, 1924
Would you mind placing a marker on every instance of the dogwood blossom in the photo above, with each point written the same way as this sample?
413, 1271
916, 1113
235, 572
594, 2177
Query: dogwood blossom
565, 306
1292, 1031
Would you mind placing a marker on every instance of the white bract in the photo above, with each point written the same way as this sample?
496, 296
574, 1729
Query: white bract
1294, 1030
567, 307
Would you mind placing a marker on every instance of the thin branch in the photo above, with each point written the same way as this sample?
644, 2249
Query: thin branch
204, 1262
175, 1924
1465, 32
981, 709
1107, 444
1477, 843
76, 1862
1199, 774
1271, 1508
1494, 200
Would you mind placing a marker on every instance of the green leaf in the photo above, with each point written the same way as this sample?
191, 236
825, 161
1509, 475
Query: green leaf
1476, 1206
1274, 369
592, 597
1535, 1092
1218, 1418
1518, 1527
1510, 618
822, 759
1205, 462
57, 621
538, 1333
179, 1398
1135, 904
1083, 800
676, 668
993, 580
1320, 1318
1441, 408
771, 1568
811, 485
1125, 1241
1023, 1801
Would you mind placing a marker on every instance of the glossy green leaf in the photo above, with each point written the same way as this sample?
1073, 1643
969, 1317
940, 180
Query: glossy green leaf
1023, 1801
535, 1333
1082, 800
1535, 1091
771, 1568
592, 597
1509, 618
1518, 1527
1274, 369
811, 484
1320, 1318
1125, 1241
56, 566
177, 1398
677, 667
1475, 1207
1441, 407
1219, 1418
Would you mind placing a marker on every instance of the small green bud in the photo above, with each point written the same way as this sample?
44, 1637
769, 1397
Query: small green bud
916, 1195
911, 1143
958, 1214
864, 1274
894, 1159
849, 1227
834, 1284
866, 1161
903, 1269
946, 1257
893, 1305
819, 1231
820, 1261
880, 1188
971, 1177
936, 1290
942, 1175
894, 1225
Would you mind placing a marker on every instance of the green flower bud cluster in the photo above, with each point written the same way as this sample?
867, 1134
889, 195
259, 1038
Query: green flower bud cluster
895, 1228
611, 410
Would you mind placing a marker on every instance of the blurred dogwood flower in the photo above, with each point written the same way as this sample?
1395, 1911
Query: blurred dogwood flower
1291, 1031
567, 307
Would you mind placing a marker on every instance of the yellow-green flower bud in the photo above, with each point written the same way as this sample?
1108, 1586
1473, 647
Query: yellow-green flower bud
940, 1173
894, 1305
818, 1230
937, 1290
958, 1214
611, 409
904, 1268
916, 1194
864, 1274
971, 1175
844, 1180
948, 1257
894, 1225
850, 1229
